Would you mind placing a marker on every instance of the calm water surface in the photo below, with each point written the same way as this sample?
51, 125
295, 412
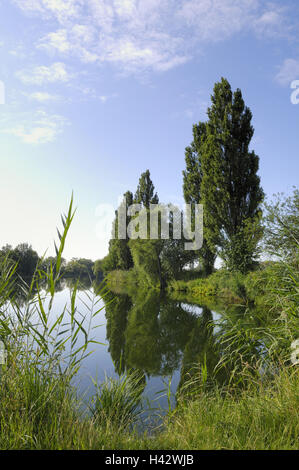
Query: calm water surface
162, 338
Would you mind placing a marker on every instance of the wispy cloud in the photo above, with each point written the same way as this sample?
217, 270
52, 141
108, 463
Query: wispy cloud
273, 22
61, 9
288, 72
42, 97
137, 35
105, 98
40, 75
56, 40
37, 128
217, 20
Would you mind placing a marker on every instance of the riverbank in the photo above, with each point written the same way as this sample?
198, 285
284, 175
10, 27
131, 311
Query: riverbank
255, 288
43, 411
265, 416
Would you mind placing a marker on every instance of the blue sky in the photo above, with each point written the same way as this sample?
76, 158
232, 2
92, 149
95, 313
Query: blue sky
97, 91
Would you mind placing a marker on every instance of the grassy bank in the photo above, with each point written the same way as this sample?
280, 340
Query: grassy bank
40, 409
37, 413
219, 285
260, 417
257, 287
254, 287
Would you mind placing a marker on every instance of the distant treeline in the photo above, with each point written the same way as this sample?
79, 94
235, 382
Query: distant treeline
27, 259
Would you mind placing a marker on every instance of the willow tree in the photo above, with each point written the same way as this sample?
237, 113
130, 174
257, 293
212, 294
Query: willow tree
146, 253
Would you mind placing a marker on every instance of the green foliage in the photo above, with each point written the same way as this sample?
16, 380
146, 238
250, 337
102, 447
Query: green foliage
98, 270
146, 253
145, 193
251, 349
52, 260
77, 268
25, 258
242, 250
119, 255
220, 284
109, 263
258, 410
201, 355
282, 227
147, 331
192, 187
119, 250
147, 261
174, 256
117, 401
150, 261
221, 173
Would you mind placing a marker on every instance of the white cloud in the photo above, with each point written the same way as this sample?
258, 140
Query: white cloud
128, 33
29, 5
105, 98
76, 40
39, 128
218, 19
273, 22
42, 75
139, 35
56, 40
60, 9
289, 71
42, 97
36, 135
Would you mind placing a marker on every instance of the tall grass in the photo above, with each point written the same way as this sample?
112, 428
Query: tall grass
117, 402
264, 416
44, 350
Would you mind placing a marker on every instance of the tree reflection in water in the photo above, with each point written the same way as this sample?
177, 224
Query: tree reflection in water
159, 336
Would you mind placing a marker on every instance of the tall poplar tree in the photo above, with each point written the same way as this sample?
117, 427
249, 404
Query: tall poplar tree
124, 253
119, 256
145, 193
229, 185
192, 180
